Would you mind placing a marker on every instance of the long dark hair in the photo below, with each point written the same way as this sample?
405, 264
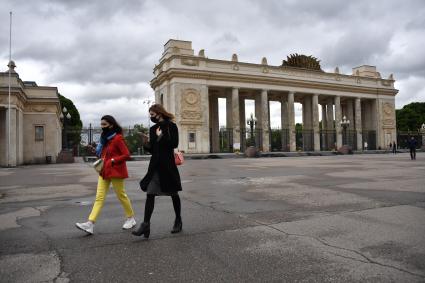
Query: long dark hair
111, 120
159, 109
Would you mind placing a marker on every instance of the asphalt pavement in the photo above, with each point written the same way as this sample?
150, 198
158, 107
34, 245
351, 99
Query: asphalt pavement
357, 218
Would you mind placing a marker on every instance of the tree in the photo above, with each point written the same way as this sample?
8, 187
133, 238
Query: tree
411, 116
74, 125
133, 139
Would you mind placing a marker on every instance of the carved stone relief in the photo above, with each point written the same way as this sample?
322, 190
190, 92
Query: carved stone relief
388, 114
191, 106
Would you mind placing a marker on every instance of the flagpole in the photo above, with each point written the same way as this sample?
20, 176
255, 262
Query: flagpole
10, 67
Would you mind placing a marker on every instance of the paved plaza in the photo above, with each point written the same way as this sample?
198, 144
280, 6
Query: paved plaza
357, 218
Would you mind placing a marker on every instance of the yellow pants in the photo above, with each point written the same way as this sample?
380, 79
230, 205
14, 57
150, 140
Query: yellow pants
102, 190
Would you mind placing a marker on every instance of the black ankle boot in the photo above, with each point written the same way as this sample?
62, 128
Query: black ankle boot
178, 225
144, 229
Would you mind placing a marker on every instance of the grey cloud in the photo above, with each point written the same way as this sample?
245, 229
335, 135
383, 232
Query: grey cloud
108, 48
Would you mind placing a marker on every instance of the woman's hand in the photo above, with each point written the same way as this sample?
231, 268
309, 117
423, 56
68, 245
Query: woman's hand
91, 149
158, 131
145, 138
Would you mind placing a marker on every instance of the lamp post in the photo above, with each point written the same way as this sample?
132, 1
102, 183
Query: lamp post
149, 102
252, 121
345, 124
64, 116
423, 135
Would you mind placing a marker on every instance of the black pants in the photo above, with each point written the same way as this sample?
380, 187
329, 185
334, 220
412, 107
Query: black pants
394, 150
413, 153
150, 205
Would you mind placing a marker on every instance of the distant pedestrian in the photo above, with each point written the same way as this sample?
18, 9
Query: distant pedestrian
162, 178
365, 145
394, 147
390, 146
114, 152
412, 146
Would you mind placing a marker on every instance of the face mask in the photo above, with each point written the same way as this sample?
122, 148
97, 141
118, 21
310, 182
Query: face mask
154, 120
106, 130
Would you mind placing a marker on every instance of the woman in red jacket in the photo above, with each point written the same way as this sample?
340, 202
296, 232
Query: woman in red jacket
113, 150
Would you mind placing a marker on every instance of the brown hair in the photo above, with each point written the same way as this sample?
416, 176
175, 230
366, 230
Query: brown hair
159, 109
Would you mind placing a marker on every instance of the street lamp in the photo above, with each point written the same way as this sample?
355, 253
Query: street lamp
252, 121
64, 116
149, 102
345, 124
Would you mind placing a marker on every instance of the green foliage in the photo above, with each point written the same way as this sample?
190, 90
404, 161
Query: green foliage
134, 140
74, 125
298, 127
411, 116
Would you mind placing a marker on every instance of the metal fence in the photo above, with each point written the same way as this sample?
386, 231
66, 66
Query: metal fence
327, 140
225, 140
369, 139
279, 139
251, 139
304, 140
78, 138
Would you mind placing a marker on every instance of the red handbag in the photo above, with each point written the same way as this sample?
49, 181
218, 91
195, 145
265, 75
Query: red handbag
178, 157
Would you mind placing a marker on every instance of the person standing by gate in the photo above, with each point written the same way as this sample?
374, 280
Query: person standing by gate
113, 150
163, 177
394, 147
412, 146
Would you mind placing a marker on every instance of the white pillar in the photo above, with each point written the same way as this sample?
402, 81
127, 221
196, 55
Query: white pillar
265, 124
229, 120
291, 122
358, 123
12, 150
284, 123
316, 128
236, 119
337, 101
330, 115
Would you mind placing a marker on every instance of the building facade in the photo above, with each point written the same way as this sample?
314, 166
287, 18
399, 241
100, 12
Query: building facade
189, 86
35, 127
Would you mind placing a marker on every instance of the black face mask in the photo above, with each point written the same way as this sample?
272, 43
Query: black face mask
154, 120
106, 130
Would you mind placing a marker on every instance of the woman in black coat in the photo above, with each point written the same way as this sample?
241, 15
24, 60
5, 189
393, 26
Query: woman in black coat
162, 178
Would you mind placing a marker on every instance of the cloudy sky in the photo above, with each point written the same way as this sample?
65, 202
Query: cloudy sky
100, 53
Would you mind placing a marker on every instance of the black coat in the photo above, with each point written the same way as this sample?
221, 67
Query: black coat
162, 159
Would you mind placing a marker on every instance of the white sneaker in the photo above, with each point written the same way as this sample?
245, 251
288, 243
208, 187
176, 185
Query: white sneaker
129, 223
86, 227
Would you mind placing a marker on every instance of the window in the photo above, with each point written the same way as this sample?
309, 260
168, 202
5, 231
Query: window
39, 133
191, 137
162, 99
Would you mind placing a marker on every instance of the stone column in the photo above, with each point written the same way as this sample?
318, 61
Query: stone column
265, 124
291, 122
358, 123
229, 120
214, 124
307, 123
330, 124
337, 101
236, 119
330, 115
316, 128
12, 149
323, 136
284, 123
324, 117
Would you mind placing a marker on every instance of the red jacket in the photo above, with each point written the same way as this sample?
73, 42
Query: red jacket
116, 149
